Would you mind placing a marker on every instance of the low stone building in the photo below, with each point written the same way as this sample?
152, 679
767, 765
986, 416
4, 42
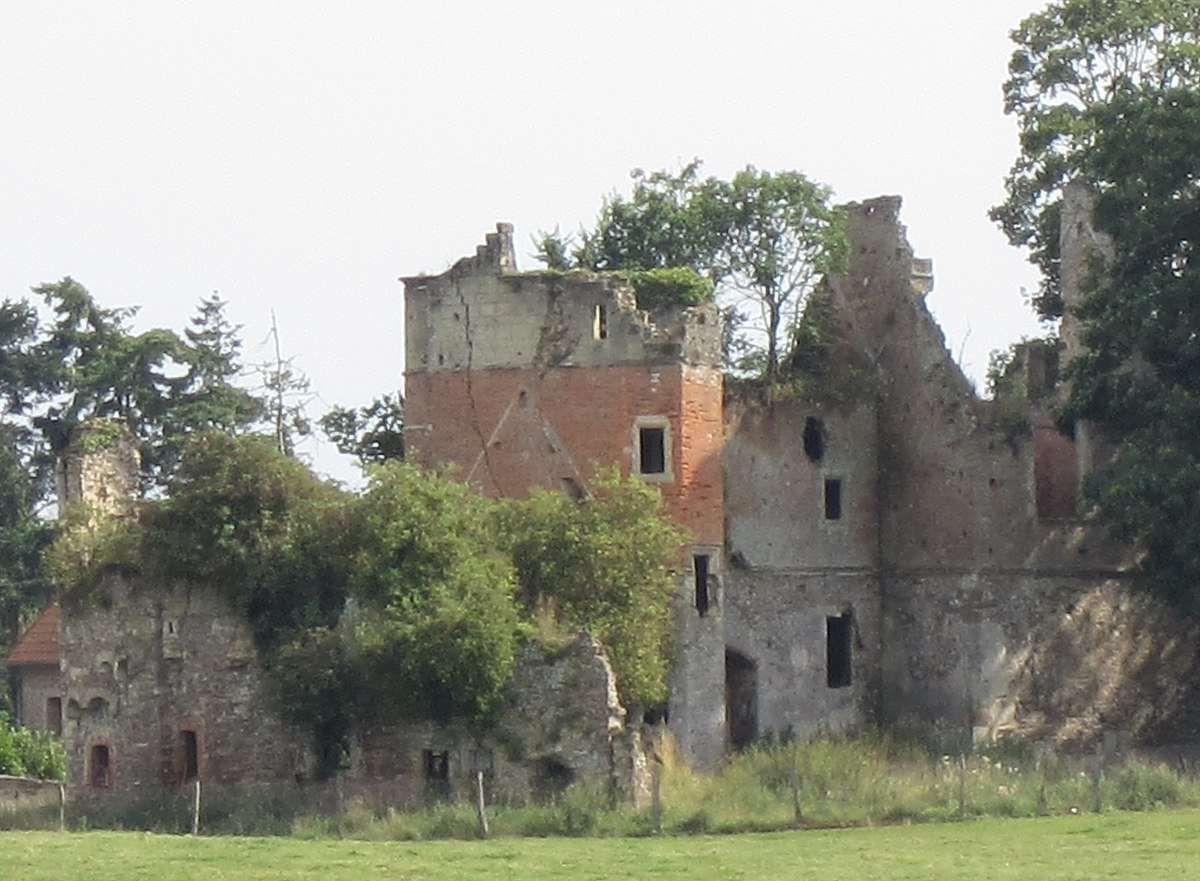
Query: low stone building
33, 665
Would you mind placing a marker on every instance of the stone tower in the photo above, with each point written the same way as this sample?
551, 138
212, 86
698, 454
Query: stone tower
526, 379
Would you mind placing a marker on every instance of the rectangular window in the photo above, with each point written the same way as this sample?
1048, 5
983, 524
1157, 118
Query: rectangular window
652, 450
700, 573
437, 774
833, 498
839, 633
600, 323
99, 766
54, 715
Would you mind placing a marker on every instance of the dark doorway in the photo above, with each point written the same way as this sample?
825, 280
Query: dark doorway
741, 698
839, 650
189, 755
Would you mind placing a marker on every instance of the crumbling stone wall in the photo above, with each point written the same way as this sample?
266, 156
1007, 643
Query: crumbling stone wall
21, 794
142, 664
533, 379
981, 587
562, 723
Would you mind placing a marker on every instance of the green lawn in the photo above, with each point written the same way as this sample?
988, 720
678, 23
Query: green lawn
1159, 846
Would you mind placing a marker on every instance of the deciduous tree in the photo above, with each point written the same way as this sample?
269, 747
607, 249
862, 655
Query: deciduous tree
1140, 375
1072, 56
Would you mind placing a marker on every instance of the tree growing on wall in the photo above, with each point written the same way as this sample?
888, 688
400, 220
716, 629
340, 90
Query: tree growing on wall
763, 239
602, 564
1073, 56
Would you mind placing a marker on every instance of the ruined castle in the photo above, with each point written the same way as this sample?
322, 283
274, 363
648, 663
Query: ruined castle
883, 548
880, 548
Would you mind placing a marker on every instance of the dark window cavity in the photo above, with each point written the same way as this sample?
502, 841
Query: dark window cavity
814, 439
833, 498
652, 450
189, 745
99, 766
839, 650
54, 715
700, 572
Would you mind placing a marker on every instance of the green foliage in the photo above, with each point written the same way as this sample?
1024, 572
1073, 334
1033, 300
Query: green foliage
257, 525
1140, 378
554, 250
371, 434
438, 625
660, 225
85, 545
1073, 56
671, 286
763, 239
603, 564
25, 753
208, 398
24, 590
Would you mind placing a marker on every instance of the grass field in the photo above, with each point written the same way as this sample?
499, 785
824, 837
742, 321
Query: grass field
1155, 846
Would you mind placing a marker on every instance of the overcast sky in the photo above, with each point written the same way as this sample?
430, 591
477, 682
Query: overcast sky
300, 156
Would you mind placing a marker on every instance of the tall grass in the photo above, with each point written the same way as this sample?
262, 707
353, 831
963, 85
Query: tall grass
827, 782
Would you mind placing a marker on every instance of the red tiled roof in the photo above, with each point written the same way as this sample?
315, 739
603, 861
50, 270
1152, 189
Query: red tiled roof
38, 644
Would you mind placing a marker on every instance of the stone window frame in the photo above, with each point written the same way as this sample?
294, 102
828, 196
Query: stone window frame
195, 726
667, 475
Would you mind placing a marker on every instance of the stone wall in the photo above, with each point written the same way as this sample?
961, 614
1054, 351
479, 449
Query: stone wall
153, 672
37, 686
166, 683
20, 794
562, 723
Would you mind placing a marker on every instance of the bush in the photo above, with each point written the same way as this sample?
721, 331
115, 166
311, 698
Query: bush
25, 753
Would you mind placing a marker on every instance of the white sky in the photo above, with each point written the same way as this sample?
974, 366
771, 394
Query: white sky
300, 156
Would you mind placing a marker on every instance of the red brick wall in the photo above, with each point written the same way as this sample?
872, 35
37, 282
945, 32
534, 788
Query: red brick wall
509, 429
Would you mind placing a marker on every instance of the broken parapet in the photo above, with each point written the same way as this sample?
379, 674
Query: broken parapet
482, 313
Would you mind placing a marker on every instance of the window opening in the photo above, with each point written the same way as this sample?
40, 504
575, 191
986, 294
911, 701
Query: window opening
54, 715
814, 439
741, 698
700, 571
833, 498
99, 766
550, 779
191, 755
437, 774
652, 450
839, 630
600, 323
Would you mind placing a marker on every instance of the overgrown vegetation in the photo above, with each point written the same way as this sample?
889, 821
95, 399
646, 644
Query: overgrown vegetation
25, 753
405, 601
762, 239
601, 565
